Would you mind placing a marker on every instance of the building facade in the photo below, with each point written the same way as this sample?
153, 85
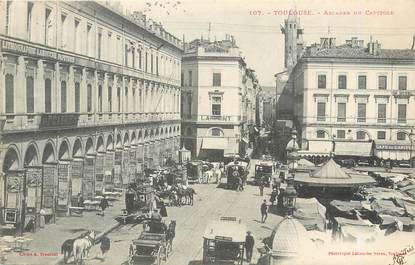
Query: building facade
218, 99
351, 94
89, 98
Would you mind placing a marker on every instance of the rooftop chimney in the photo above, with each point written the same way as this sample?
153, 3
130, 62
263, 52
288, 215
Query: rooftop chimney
373, 48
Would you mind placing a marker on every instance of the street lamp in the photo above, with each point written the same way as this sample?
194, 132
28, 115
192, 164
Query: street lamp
292, 157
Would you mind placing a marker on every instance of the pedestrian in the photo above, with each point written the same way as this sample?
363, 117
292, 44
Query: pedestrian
264, 211
103, 205
261, 188
249, 245
80, 200
240, 183
280, 199
274, 194
156, 215
105, 246
163, 210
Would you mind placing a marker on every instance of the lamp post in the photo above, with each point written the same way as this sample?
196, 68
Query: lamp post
411, 135
292, 157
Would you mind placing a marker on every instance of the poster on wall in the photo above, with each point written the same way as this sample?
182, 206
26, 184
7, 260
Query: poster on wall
49, 175
88, 179
63, 184
34, 187
109, 161
118, 158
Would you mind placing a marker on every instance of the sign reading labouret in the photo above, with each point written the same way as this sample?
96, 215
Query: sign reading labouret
58, 120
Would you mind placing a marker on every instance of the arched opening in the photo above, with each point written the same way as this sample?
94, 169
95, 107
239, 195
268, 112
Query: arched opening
48, 154
133, 139
11, 160
118, 143
110, 143
31, 156
126, 140
77, 149
89, 147
100, 145
63, 153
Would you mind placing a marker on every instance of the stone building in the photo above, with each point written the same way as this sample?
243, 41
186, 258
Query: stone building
89, 97
218, 99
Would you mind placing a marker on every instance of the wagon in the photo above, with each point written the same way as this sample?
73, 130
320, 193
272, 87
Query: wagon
232, 171
194, 171
263, 172
224, 241
148, 248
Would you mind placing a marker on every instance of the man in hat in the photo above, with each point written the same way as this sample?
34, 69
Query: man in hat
249, 245
264, 211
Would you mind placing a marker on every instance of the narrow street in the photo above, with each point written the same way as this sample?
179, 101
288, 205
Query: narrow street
210, 204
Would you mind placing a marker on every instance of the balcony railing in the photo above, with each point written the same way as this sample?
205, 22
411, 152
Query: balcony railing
361, 119
50, 121
321, 118
381, 120
401, 120
341, 119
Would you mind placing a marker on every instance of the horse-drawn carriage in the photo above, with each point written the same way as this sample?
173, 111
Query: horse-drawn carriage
153, 245
233, 171
194, 171
224, 241
263, 172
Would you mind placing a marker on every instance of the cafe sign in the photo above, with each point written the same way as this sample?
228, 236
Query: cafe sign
34, 51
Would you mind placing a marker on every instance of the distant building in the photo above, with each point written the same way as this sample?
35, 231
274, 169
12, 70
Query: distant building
218, 99
269, 99
355, 93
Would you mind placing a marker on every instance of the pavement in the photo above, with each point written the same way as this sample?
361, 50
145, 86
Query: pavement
210, 204
46, 244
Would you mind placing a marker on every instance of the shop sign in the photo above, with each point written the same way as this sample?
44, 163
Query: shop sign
393, 147
33, 51
58, 120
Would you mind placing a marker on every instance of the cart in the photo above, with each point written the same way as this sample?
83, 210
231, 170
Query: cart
263, 172
148, 248
224, 241
194, 171
232, 171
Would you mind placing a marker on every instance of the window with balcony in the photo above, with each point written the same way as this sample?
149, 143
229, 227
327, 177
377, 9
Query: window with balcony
217, 79
140, 63
157, 65
216, 106
151, 64
48, 27
382, 82
48, 95
63, 96
402, 82
30, 95
76, 36
321, 111
190, 78
99, 98
342, 82
182, 80
99, 43
126, 55
8, 26
88, 39
401, 136
133, 57
361, 80
321, 134
9, 93
341, 134
360, 135
361, 112
321, 81
401, 113
146, 63
119, 99
89, 98
29, 20
381, 113
134, 99
126, 99
341, 112
63, 31
77, 97
109, 98
381, 135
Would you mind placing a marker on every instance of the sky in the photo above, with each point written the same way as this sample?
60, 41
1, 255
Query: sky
255, 24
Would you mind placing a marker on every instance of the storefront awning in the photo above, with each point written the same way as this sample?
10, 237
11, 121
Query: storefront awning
394, 150
215, 143
355, 148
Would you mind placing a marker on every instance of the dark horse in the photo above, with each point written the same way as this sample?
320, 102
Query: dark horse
67, 247
171, 234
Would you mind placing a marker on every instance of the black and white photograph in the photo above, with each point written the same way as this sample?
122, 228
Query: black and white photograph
207, 132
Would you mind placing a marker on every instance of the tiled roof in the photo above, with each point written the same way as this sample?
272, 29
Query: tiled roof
346, 51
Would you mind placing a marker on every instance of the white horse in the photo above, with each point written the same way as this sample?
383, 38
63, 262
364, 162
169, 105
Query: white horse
81, 247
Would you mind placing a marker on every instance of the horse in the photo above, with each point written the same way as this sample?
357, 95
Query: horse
67, 247
189, 192
81, 246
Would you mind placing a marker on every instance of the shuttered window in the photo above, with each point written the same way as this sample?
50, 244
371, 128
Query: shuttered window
9, 93
30, 95
48, 95
77, 96
63, 96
